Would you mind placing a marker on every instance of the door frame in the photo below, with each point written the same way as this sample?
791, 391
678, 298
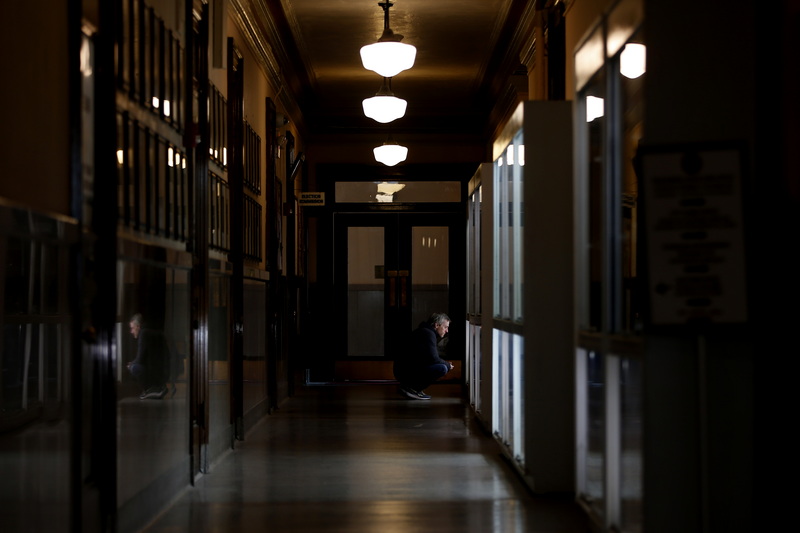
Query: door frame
398, 246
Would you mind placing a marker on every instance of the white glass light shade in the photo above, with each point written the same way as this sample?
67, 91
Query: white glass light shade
384, 108
388, 58
632, 60
390, 154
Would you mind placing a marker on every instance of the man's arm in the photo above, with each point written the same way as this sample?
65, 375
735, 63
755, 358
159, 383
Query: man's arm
431, 349
139, 352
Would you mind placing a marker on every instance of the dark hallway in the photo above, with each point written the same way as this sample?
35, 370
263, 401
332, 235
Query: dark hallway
361, 458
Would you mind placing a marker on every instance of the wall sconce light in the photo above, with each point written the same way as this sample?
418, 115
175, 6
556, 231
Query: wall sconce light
281, 120
388, 57
595, 108
632, 60
384, 106
390, 153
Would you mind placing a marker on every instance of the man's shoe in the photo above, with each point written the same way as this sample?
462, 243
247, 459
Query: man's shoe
144, 393
423, 396
155, 394
409, 393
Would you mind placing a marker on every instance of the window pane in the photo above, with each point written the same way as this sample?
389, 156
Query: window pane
508, 230
631, 443
365, 294
594, 101
397, 191
430, 268
595, 433
517, 152
632, 116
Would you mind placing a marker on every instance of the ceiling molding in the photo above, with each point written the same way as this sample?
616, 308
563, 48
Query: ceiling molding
266, 34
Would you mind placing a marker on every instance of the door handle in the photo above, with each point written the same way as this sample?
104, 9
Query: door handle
404, 291
403, 275
392, 276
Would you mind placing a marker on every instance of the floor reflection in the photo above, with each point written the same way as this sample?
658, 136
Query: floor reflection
360, 458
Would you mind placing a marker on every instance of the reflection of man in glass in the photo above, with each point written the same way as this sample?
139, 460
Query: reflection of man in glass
152, 363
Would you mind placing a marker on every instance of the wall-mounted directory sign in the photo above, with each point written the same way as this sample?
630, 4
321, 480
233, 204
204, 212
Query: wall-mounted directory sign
694, 237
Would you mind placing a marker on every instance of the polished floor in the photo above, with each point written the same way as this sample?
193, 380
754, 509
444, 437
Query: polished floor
361, 458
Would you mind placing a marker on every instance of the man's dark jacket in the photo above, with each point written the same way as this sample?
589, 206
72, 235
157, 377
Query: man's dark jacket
422, 350
154, 355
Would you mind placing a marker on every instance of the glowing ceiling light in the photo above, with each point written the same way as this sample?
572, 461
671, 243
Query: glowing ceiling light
390, 153
388, 57
384, 106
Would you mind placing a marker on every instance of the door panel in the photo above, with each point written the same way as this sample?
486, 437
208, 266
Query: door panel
365, 290
430, 282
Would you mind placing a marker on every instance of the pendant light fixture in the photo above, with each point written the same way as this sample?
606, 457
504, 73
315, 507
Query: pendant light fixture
388, 57
384, 106
390, 153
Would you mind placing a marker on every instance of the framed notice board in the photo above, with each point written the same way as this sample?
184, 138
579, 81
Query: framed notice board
694, 245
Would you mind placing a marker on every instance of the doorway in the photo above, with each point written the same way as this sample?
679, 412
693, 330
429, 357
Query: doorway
391, 271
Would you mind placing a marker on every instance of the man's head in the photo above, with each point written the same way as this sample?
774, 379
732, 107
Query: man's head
136, 325
440, 323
